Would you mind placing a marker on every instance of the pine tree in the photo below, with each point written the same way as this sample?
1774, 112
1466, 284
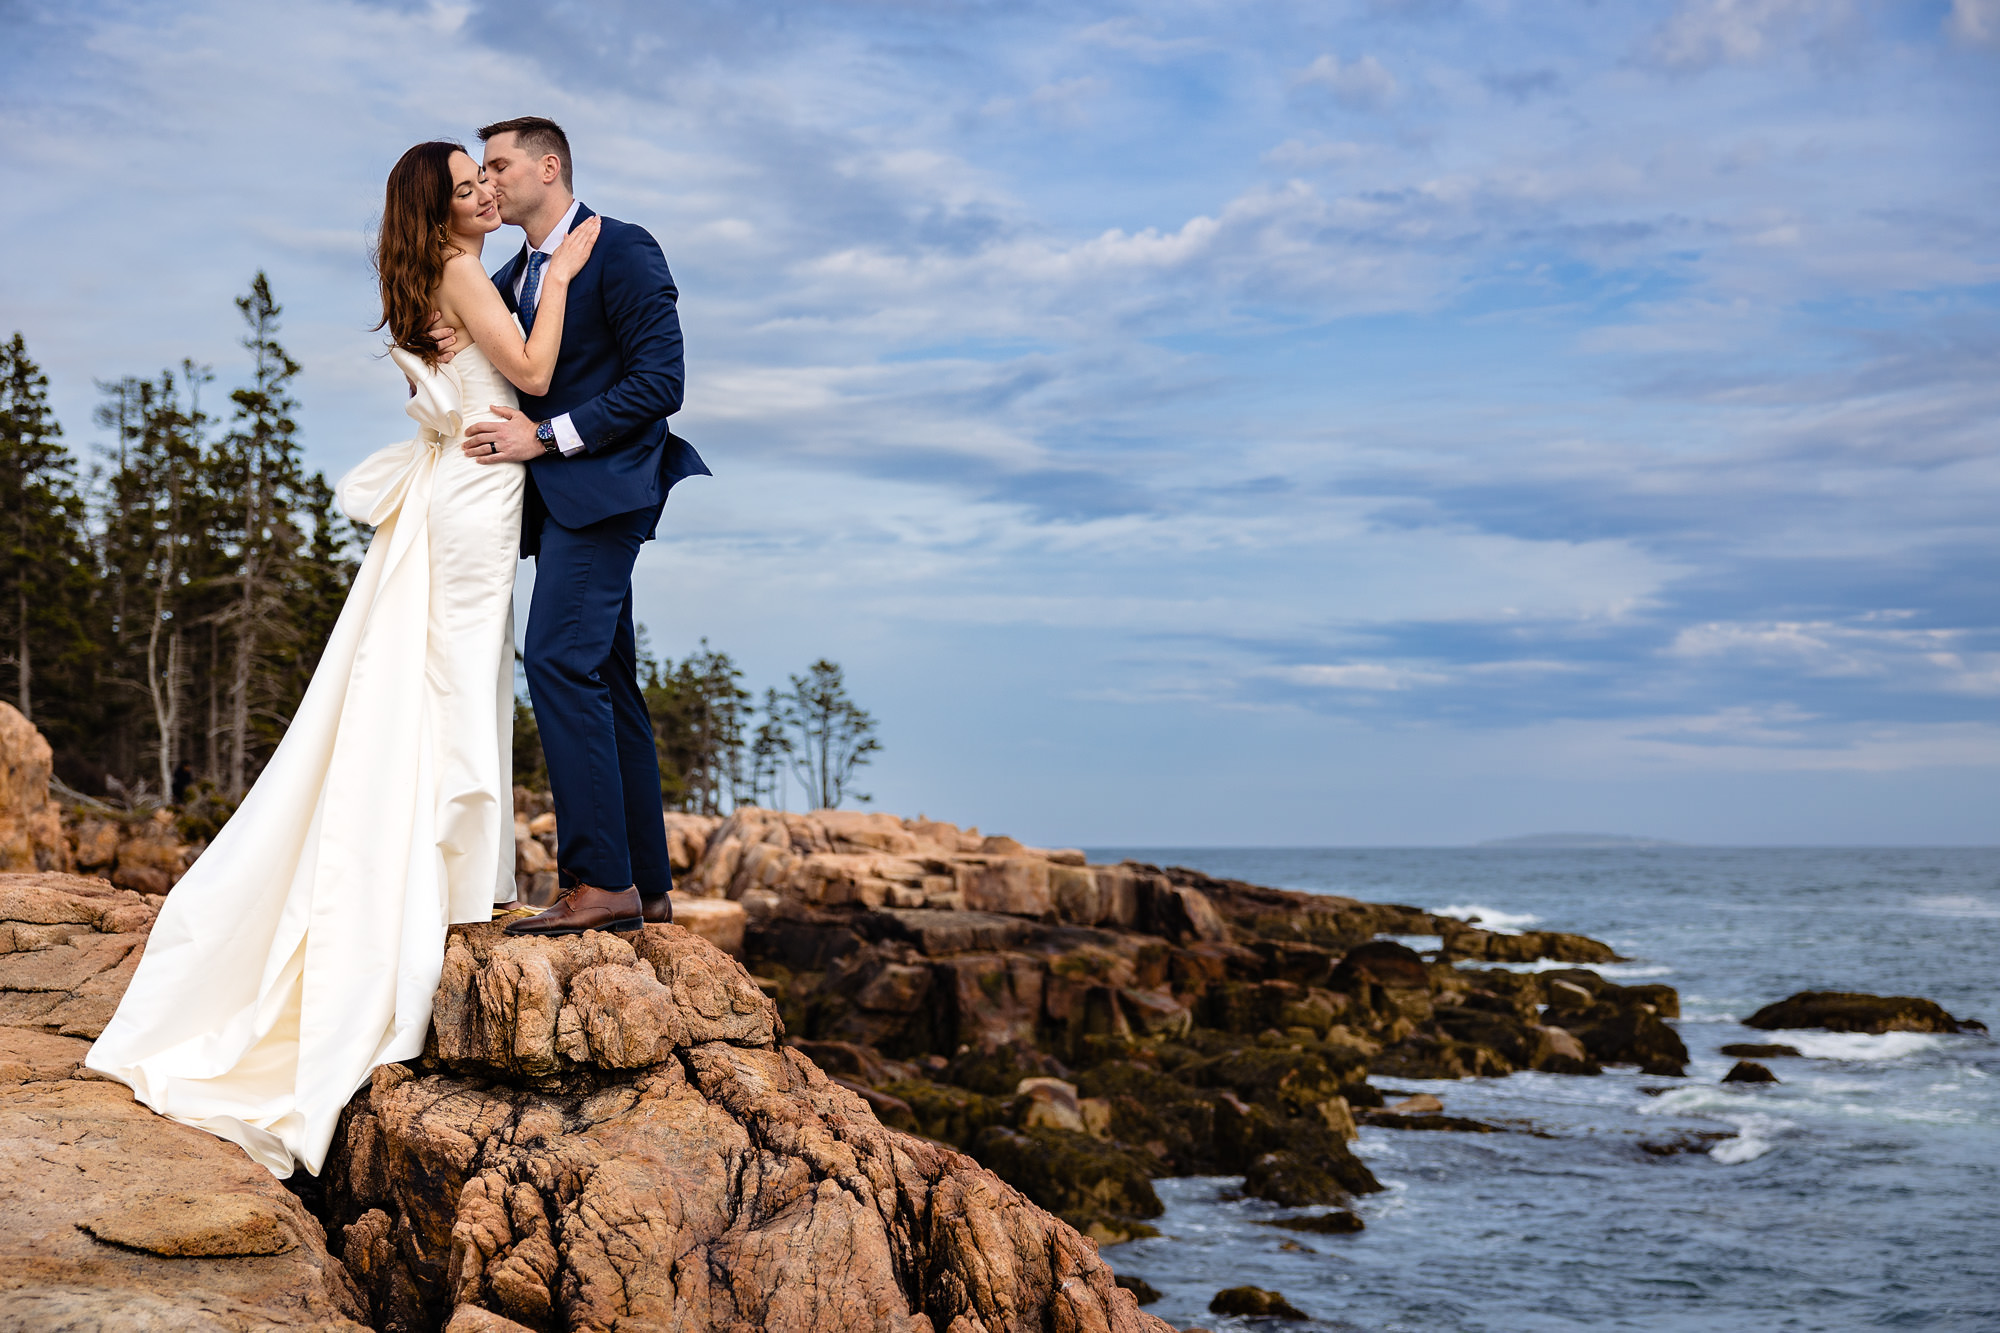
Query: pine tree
45, 566
698, 709
770, 749
831, 735
154, 547
259, 486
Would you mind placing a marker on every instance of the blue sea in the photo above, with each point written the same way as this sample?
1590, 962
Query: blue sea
1861, 1192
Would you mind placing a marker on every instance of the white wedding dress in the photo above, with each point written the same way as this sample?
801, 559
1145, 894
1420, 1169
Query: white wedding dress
302, 950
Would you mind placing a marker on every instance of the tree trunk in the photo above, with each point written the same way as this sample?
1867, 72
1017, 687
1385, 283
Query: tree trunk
239, 691
21, 658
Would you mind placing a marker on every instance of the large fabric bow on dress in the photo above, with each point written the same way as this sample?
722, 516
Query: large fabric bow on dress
378, 487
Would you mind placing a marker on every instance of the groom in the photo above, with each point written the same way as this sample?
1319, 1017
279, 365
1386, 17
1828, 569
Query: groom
600, 461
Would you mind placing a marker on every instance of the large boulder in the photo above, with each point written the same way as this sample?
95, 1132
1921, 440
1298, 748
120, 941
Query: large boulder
1466, 941
603, 1133
608, 1135
1852, 1011
1617, 1025
31, 832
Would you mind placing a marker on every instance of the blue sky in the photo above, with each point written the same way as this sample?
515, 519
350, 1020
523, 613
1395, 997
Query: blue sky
1396, 422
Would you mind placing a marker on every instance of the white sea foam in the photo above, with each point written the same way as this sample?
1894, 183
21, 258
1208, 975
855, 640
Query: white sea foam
1489, 918
1421, 943
1612, 971
1756, 1131
1754, 1135
1958, 904
1859, 1045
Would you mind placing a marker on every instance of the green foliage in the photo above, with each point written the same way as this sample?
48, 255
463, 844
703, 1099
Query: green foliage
699, 710
203, 812
531, 767
172, 609
46, 570
827, 734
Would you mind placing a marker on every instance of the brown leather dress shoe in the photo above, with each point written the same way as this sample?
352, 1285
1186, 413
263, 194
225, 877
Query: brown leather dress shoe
658, 908
583, 907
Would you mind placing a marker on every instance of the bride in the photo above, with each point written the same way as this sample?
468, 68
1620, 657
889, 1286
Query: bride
303, 948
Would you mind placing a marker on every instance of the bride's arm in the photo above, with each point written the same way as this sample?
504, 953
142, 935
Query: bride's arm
469, 299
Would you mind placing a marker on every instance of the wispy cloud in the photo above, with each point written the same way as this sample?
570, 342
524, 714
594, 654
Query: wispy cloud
1440, 382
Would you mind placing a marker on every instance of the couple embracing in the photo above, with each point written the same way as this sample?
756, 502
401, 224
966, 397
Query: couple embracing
303, 948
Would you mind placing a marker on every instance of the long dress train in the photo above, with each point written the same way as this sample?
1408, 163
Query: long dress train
303, 948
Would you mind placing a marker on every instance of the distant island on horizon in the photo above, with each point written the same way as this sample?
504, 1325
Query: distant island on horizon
1578, 840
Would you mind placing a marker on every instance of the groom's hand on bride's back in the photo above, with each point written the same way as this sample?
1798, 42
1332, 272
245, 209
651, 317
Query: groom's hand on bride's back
511, 439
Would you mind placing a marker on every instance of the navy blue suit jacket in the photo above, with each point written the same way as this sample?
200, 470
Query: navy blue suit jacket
619, 377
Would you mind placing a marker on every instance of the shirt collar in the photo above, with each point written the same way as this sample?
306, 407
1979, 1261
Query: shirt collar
555, 237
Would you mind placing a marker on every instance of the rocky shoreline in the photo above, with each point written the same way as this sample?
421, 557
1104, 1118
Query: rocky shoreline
1084, 1029
884, 1073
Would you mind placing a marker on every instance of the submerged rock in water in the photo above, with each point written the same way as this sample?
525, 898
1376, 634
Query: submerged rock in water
1338, 1222
1142, 1291
1456, 1124
1255, 1303
1753, 1050
1853, 1011
1749, 1071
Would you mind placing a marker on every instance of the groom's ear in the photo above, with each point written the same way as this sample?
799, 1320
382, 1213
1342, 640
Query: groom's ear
551, 169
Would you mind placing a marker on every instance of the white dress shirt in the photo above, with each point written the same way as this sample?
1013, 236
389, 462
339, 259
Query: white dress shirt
567, 438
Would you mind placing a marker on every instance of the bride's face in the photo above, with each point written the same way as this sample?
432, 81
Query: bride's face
473, 212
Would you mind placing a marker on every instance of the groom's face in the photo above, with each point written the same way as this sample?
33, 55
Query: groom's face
520, 181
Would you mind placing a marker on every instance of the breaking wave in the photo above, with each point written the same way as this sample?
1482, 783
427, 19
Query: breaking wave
1488, 918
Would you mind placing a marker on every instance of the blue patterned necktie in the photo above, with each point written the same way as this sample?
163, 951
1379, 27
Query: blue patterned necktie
531, 290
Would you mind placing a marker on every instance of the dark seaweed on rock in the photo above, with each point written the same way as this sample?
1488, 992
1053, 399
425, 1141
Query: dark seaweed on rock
1184, 1023
1254, 1303
1852, 1011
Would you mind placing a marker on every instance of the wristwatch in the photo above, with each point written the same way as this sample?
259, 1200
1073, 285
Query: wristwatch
546, 433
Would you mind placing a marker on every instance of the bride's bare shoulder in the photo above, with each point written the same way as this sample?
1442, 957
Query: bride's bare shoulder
465, 280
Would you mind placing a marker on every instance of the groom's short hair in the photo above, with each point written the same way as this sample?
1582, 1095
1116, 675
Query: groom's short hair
536, 135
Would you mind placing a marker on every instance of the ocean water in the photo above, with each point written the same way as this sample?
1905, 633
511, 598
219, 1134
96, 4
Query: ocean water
1861, 1192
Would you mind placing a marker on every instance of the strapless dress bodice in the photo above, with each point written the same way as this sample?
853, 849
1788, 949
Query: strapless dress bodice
481, 385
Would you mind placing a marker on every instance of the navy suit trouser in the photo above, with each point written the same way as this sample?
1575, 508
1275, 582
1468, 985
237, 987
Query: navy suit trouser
583, 679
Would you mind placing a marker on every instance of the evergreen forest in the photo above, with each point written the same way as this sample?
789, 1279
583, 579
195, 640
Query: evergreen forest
164, 599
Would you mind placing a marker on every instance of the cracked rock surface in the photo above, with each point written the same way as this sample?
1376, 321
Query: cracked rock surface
111, 1217
604, 1134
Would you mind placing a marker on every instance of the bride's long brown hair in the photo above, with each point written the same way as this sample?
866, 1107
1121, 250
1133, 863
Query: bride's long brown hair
415, 242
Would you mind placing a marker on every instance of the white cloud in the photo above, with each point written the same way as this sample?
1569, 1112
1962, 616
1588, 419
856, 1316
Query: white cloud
1702, 33
1307, 154
1016, 351
1358, 84
1976, 21
1915, 659
1062, 101
1358, 676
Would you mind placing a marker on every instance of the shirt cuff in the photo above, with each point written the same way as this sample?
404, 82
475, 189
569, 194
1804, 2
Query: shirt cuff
567, 439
